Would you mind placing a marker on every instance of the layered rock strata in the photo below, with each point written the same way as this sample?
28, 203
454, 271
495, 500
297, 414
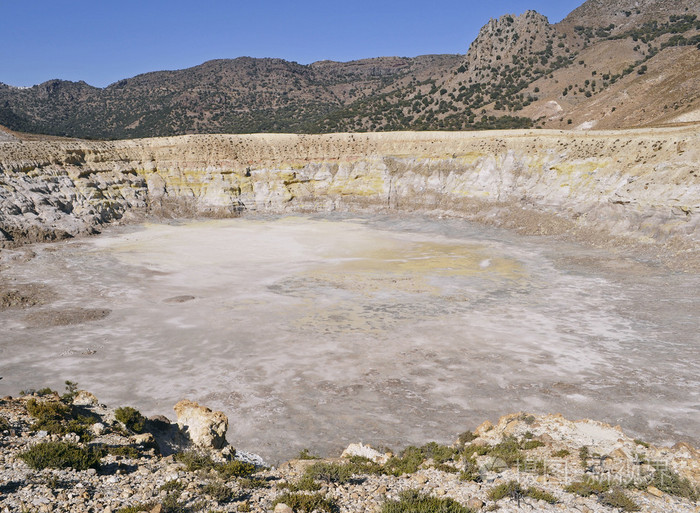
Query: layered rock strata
638, 187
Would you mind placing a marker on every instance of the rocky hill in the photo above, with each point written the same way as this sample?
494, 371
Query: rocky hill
609, 64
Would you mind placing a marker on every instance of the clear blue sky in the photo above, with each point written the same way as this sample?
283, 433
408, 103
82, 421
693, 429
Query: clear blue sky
102, 41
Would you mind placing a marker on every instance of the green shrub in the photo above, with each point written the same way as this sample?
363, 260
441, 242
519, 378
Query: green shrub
364, 466
670, 482
466, 437
44, 391
471, 471
532, 444
540, 495
305, 484
302, 502
586, 487
172, 486
194, 460
138, 508
412, 501
171, 504
583, 455
250, 483
57, 418
444, 467
131, 418
61, 455
507, 450
235, 468
617, 498
219, 491
641, 442
329, 472
45, 411
407, 463
71, 392
563, 453
4, 424
439, 453
123, 450
306, 455
510, 489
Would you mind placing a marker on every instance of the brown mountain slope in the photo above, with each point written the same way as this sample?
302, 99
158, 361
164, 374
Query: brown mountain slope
627, 14
610, 63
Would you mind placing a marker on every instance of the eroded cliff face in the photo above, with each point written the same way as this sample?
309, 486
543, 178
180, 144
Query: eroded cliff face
638, 187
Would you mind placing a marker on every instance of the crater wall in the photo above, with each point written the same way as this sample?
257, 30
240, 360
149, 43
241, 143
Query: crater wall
634, 188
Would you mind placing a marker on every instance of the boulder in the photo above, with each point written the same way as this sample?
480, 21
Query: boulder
84, 398
205, 428
366, 452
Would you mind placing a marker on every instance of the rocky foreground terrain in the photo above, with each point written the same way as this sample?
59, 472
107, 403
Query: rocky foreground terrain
636, 190
70, 453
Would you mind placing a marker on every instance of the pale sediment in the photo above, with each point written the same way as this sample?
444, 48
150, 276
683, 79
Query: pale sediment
636, 189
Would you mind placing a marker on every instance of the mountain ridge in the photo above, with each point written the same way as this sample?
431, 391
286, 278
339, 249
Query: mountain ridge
505, 80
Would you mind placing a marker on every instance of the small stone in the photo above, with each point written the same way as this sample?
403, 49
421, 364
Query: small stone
440, 492
421, 479
71, 437
98, 428
655, 491
143, 438
475, 503
283, 508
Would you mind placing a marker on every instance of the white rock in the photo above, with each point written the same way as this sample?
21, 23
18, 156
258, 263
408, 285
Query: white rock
283, 508
84, 398
205, 428
365, 451
98, 428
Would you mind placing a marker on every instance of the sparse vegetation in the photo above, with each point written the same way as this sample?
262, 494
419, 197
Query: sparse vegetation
513, 490
125, 451
172, 486
666, 480
306, 455
235, 468
61, 455
219, 491
329, 472
617, 498
413, 501
131, 418
587, 487
307, 503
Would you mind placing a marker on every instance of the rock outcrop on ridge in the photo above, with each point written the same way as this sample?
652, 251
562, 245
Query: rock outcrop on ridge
636, 188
